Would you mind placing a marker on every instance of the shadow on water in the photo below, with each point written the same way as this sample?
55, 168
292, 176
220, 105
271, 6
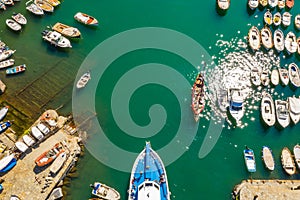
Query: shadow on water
249, 10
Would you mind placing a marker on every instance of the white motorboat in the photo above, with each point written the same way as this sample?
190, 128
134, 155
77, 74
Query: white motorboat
284, 76
290, 42
254, 38
267, 109
29, 141
297, 21
294, 74
253, 4
236, 101
55, 38
266, 37
6, 54
21, 146
282, 112
33, 8
18, 17
281, 4
278, 40
83, 80
275, 77
286, 18
277, 19
294, 109
7, 63
3, 112
13, 25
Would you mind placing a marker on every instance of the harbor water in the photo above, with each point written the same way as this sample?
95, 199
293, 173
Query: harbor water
207, 161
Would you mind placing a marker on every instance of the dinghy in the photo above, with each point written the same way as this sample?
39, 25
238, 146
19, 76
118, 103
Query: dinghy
297, 21
18, 17
33, 8
263, 3
287, 161
223, 4
198, 96
289, 3
86, 19
298, 45
16, 69
268, 158
267, 109
278, 40
3, 112
13, 25
249, 160
294, 109
84, 79
254, 38
282, 113
255, 76
273, 3
45, 6
265, 79
6, 54
253, 4
297, 155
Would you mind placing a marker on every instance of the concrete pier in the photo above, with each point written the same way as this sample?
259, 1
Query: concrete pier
267, 189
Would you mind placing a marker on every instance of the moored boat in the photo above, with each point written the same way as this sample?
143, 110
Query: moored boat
148, 177
3, 112
223, 4
56, 39
7, 63
53, 2
298, 45
273, 3
294, 109
58, 162
267, 109
105, 192
29, 141
268, 19
66, 30
266, 37
289, 3
268, 158
16, 69
86, 19
263, 3
21, 146
18, 17
281, 4
12, 24
284, 76
290, 42
277, 19
255, 76
236, 101
287, 161
253, 4
198, 96
249, 159
265, 79
6, 54
57, 194
275, 77
296, 151
2, 5
49, 156
4, 126
8, 2
33, 8
254, 38
45, 6
294, 74
286, 19
297, 21
282, 113
81, 83
7, 163
278, 40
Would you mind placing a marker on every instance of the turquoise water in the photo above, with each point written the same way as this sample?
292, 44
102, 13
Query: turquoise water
190, 177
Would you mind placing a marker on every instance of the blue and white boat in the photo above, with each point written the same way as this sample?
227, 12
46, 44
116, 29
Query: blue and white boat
236, 101
7, 163
3, 112
249, 159
4, 126
148, 179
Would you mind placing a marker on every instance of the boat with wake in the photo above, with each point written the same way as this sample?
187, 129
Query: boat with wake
249, 160
287, 161
268, 158
267, 109
294, 109
198, 96
236, 101
282, 113
296, 151
148, 178
105, 192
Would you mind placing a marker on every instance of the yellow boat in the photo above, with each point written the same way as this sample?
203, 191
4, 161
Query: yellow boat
66, 30
53, 2
44, 5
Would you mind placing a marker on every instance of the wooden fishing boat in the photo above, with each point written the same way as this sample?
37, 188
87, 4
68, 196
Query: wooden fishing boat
53, 2
58, 162
263, 3
255, 76
4, 126
286, 19
268, 19
6, 54
198, 96
287, 161
49, 156
254, 38
12, 24
284, 76
56, 39
268, 158
297, 21
294, 109
33, 8
253, 4
105, 192
265, 79
66, 30
18, 17
86, 19
294, 74
273, 3
3, 112
289, 3
267, 109
250, 160
282, 113
16, 69
275, 77
281, 4
7, 63
277, 19
278, 40
223, 4
266, 37
290, 42
236, 103
44, 5
84, 79
296, 151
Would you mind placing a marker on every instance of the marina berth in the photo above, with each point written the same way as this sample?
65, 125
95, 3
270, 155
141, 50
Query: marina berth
254, 38
66, 30
105, 192
273, 3
33, 8
148, 178
289, 3
297, 21
278, 40
263, 3
268, 19
287, 161
84, 79
294, 109
16, 69
253, 4
284, 76
198, 96
45, 6
56, 39
18, 17
277, 19
282, 113
3, 112
236, 103
290, 42
267, 109
268, 158
275, 77
255, 76
223, 4
12, 24
286, 19
281, 4
249, 160
294, 74
296, 151
266, 37
265, 79
86, 19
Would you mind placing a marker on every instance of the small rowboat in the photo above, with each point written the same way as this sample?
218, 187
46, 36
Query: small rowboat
289, 3
255, 76
296, 151
268, 17
16, 69
8, 2
254, 38
268, 158
4, 126
18, 17
253, 4
81, 83
7, 63
44, 5
2, 5
198, 100
267, 109
265, 79
86, 19
223, 4
66, 30
13, 25
287, 161
277, 19
263, 3
249, 160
